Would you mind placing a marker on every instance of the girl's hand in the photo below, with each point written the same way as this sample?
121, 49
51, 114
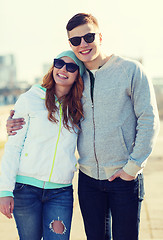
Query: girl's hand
7, 206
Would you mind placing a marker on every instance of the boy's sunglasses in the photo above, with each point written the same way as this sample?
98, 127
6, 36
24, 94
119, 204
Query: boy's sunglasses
88, 38
70, 67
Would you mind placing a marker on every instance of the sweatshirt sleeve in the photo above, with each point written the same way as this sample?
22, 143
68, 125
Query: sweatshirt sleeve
147, 129
13, 148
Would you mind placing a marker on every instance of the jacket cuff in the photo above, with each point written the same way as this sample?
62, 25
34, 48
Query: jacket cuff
6, 194
132, 169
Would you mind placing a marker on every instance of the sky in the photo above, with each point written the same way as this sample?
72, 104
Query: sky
35, 31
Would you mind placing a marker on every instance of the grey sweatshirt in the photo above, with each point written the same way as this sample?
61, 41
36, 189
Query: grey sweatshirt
122, 122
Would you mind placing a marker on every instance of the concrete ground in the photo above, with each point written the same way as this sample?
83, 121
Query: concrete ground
151, 227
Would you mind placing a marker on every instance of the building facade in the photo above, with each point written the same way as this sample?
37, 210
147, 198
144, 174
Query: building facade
7, 71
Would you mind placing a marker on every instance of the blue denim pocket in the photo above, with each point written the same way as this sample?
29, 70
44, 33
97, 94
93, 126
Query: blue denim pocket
139, 185
19, 187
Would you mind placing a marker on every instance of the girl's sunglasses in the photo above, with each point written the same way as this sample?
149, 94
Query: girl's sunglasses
88, 38
70, 67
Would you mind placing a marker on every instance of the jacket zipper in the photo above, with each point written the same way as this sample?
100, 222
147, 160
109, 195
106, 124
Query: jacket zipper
60, 123
94, 135
94, 144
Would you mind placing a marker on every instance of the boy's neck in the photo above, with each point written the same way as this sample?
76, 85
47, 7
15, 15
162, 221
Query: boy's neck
98, 62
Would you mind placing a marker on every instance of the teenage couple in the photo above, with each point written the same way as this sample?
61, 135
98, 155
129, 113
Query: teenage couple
114, 119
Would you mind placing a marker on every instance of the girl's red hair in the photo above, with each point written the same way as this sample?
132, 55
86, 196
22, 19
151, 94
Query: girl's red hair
71, 103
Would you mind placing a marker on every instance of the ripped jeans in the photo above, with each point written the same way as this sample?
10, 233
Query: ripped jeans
43, 213
99, 198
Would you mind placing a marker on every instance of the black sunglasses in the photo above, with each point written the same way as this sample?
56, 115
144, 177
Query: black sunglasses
88, 38
70, 67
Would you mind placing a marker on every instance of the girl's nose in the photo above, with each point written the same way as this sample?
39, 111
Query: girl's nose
64, 68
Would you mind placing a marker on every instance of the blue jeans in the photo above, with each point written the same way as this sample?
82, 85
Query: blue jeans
37, 210
122, 198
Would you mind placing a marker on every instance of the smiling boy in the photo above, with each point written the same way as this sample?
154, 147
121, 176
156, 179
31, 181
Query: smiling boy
118, 133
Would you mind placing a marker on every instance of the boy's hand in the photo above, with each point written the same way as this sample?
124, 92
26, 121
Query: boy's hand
123, 175
13, 125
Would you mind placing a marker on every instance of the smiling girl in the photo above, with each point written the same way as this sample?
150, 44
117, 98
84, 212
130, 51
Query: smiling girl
39, 162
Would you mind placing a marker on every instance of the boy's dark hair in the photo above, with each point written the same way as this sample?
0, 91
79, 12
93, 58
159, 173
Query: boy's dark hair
81, 19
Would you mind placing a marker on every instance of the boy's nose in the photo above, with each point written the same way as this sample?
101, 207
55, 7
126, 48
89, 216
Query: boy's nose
83, 42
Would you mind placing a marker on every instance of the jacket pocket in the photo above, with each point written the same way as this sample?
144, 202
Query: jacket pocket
122, 140
111, 147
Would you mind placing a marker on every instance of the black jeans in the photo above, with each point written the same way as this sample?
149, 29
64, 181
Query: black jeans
122, 198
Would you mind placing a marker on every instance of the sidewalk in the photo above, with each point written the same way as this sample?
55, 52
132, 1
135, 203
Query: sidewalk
151, 227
